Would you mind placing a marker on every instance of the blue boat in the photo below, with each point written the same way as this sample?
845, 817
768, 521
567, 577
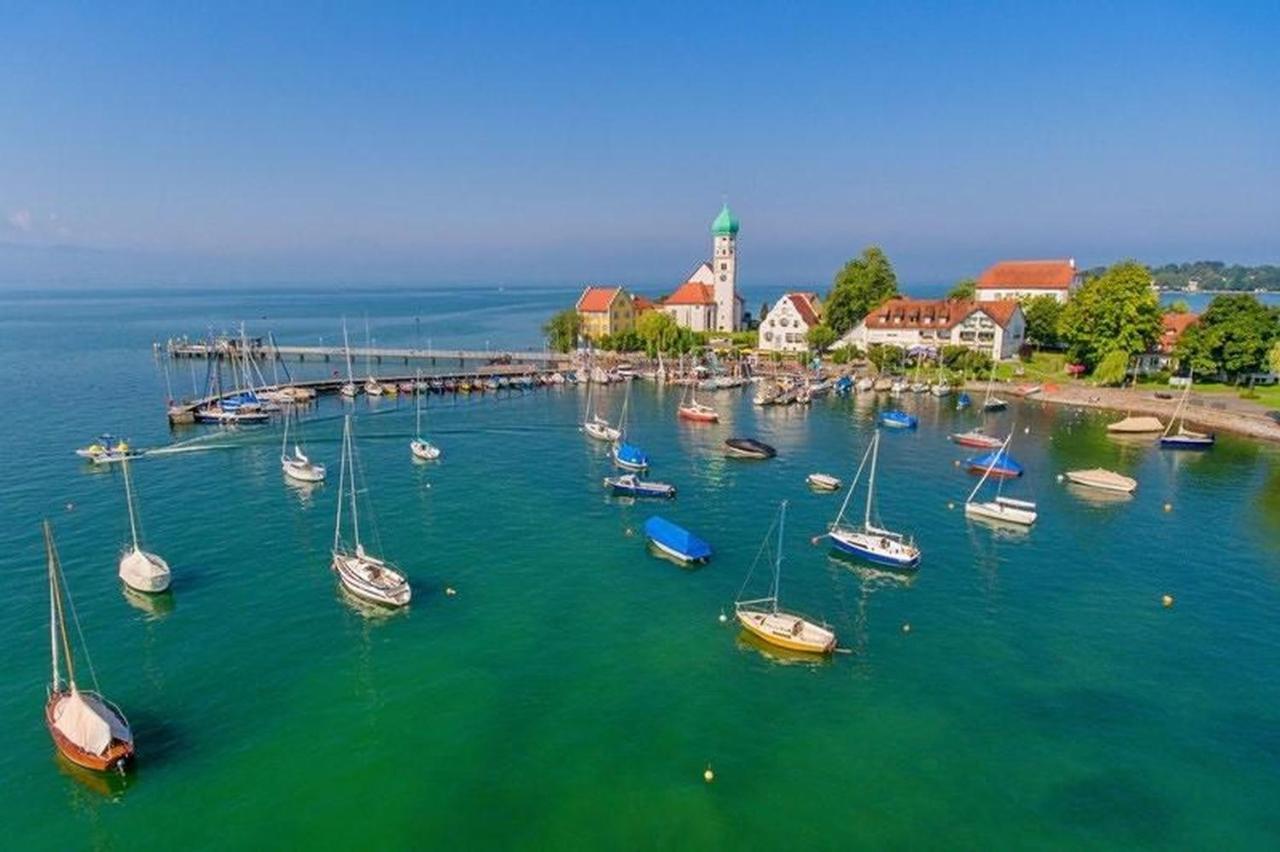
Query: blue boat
675, 541
630, 457
898, 420
963, 401
844, 385
630, 485
1002, 465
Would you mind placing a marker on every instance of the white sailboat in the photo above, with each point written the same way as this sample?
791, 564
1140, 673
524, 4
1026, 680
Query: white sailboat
140, 570
593, 424
763, 618
420, 447
1003, 509
868, 541
298, 466
362, 574
1184, 438
372, 386
989, 402
349, 388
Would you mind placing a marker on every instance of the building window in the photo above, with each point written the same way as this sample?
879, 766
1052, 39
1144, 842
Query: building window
768, 335
722, 278
724, 265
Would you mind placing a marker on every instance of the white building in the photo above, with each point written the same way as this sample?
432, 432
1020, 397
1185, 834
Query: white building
1025, 279
997, 328
708, 300
785, 327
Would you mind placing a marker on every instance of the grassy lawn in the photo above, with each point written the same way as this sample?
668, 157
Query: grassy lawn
1042, 366
1268, 395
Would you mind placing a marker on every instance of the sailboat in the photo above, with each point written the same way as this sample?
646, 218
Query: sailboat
625, 454
593, 424
349, 388
419, 446
1005, 509
989, 402
363, 575
869, 541
140, 570
87, 729
1184, 438
297, 466
763, 618
695, 411
371, 385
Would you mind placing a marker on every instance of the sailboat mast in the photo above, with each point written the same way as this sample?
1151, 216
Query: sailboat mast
346, 347
128, 496
871, 483
53, 607
990, 467
417, 382
351, 462
342, 481
848, 495
777, 562
284, 441
55, 570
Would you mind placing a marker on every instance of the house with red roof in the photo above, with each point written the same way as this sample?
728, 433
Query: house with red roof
995, 327
1025, 279
785, 327
605, 310
1172, 326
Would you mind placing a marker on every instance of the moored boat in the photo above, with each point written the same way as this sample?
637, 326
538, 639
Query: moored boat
1136, 426
749, 448
629, 457
675, 541
631, 485
1105, 480
870, 541
698, 413
997, 463
975, 438
895, 419
1002, 509
823, 482
140, 570
86, 728
298, 466
1184, 438
363, 575
420, 447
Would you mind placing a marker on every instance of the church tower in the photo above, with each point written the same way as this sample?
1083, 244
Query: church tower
724, 264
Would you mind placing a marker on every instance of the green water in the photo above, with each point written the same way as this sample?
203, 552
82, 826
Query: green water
572, 692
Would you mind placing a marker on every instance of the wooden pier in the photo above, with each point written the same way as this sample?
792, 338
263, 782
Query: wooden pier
256, 348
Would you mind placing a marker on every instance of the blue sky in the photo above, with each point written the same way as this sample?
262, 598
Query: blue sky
539, 142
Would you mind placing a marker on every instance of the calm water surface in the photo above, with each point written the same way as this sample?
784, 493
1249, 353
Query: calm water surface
573, 690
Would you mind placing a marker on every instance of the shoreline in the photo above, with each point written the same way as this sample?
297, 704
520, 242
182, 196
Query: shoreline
1207, 411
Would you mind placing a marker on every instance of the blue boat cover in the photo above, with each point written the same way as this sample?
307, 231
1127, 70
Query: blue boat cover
677, 538
631, 454
1004, 463
963, 401
898, 418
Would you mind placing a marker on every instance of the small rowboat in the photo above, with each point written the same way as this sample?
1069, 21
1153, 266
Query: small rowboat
630, 485
749, 448
976, 438
823, 482
1106, 480
698, 413
898, 420
676, 541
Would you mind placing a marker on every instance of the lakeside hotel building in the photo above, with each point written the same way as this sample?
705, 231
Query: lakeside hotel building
995, 327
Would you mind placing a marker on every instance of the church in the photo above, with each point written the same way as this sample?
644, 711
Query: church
708, 300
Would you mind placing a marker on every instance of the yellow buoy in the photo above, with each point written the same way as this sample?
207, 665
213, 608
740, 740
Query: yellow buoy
1167, 600
708, 775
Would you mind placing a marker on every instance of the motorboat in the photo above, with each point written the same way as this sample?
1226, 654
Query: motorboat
631, 485
675, 541
749, 448
895, 419
997, 463
629, 457
976, 438
823, 482
1105, 480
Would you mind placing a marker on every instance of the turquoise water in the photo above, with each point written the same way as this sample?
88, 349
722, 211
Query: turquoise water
572, 692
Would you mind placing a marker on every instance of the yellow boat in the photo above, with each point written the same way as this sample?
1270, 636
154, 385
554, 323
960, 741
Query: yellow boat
762, 617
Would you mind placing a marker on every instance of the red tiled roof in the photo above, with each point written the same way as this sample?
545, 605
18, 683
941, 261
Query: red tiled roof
597, 299
692, 293
1028, 275
642, 304
1174, 325
936, 313
804, 307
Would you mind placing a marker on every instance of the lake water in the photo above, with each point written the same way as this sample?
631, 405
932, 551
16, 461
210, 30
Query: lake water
572, 692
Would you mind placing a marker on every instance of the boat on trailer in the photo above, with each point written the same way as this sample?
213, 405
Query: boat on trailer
86, 728
749, 448
870, 541
631, 485
762, 617
366, 576
675, 541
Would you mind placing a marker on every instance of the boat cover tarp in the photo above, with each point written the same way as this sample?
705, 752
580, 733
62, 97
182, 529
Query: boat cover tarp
999, 460
899, 417
751, 445
631, 453
88, 723
677, 538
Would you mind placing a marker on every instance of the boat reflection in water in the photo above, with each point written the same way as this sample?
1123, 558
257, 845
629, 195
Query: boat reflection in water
1097, 496
109, 785
157, 605
748, 641
874, 576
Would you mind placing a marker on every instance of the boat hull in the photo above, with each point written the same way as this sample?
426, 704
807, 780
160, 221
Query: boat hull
601, 432
302, 472
745, 448
655, 490
780, 629
1000, 513
675, 554
696, 416
144, 572
980, 442
855, 546
118, 756
1184, 442
356, 577
1122, 487
822, 482
424, 450
996, 472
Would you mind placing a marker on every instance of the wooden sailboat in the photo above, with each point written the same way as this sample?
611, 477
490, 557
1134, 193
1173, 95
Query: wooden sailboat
87, 729
349, 388
420, 447
592, 423
298, 466
763, 618
1005, 509
140, 570
1184, 438
868, 541
362, 574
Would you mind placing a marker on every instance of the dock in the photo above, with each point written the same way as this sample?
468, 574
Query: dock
228, 348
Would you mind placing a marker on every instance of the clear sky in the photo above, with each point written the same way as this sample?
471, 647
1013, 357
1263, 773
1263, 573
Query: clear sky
541, 142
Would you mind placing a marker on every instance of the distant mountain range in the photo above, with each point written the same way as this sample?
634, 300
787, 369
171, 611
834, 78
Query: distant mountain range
1210, 275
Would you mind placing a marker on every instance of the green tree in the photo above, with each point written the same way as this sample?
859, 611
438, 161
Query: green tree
562, 330
821, 337
886, 357
863, 283
1236, 333
1112, 368
1042, 313
1180, 306
1273, 357
1194, 352
1116, 311
965, 289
